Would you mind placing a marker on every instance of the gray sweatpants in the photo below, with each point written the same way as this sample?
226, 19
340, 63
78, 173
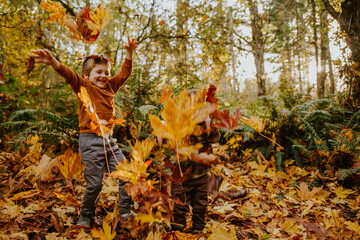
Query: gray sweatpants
92, 151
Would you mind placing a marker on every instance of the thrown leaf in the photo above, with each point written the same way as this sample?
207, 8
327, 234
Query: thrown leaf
57, 11
30, 65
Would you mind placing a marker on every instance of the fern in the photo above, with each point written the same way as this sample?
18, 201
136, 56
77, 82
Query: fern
313, 133
50, 126
346, 173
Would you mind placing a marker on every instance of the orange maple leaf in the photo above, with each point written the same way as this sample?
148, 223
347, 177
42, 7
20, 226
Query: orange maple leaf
118, 121
165, 94
58, 11
224, 121
88, 25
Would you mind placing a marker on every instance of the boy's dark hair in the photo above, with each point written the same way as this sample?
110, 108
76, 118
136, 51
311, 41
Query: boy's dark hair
90, 62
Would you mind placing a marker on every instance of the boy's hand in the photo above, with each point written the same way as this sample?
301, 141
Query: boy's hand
130, 47
45, 56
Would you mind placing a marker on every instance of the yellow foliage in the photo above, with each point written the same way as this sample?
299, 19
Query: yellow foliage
71, 166
57, 11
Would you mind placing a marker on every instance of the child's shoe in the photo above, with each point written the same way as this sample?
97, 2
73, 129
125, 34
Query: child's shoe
84, 221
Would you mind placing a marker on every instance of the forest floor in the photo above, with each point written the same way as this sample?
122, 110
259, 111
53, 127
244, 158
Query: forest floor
36, 202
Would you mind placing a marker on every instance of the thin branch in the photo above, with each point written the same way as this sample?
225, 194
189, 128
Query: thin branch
148, 22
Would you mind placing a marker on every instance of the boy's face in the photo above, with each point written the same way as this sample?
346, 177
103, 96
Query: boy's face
99, 75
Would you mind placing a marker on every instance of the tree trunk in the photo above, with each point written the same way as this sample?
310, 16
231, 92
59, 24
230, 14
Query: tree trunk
324, 42
349, 21
234, 79
331, 72
315, 35
258, 47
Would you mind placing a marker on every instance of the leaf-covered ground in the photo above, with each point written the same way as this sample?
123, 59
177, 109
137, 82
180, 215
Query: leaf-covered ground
37, 202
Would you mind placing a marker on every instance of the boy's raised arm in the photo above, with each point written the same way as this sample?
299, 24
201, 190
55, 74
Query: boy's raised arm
119, 79
45, 56
130, 47
71, 77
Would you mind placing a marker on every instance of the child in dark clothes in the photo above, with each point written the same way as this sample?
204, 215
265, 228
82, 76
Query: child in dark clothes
194, 190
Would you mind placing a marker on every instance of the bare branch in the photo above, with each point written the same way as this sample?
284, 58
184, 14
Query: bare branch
331, 9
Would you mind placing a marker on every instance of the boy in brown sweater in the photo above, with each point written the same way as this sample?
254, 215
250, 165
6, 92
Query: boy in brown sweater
101, 87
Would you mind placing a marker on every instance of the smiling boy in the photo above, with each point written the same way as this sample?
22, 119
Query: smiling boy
101, 87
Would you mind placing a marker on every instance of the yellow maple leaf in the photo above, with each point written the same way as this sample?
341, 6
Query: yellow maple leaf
304, 193
255, 122
142, 149
70, 165
290, 227
353, 226
99, 18
57, 11
104, 234
180, 115
343, 193
135, 169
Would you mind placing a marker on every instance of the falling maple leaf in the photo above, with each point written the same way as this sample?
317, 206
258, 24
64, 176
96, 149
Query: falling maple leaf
135, 169
255, 122
57, 11
88, 25
104, 234
141, 150
1, 73
71, 166
165, 94
224, 121
180, 116
210, 95
30, 65
117, 121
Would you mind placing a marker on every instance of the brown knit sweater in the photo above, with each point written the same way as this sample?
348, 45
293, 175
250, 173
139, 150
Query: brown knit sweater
102, 98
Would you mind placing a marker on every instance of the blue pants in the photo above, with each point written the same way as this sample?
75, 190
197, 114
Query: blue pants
92, 151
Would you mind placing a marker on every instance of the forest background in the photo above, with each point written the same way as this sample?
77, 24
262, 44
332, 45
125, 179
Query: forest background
271, 58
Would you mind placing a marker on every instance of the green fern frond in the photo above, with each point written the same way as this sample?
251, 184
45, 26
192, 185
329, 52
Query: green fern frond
37, 112
315, 136
346, 173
